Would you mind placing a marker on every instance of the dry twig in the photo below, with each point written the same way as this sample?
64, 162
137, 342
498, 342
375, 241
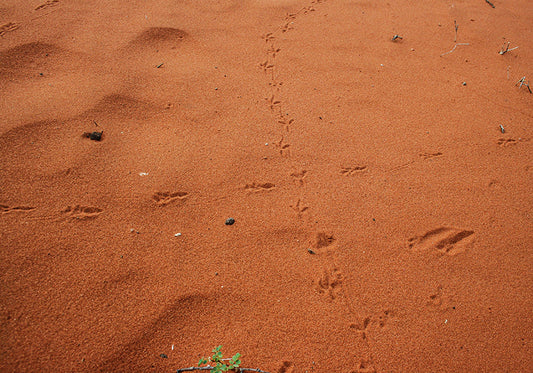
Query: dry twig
523, 82
210, 367
396, 37
455, 40
505, 48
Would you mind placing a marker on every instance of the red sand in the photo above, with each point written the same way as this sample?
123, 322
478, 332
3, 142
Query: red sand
382, 218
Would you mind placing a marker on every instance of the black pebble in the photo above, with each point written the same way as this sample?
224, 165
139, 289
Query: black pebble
230, 221
96, 136
164, 356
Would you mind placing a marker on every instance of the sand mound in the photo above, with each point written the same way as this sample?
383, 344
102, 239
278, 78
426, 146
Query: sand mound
159, 37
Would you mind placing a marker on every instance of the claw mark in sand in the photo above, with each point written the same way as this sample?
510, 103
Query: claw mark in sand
449, 241
350, 171
47, 4
8, 27
79, 212
164, 198
4, 209
257, 187
430, 155
507, 142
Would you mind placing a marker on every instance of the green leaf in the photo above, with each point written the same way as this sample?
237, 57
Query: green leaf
202, 361
236, 357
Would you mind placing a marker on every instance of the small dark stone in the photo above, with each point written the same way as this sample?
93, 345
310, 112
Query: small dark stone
230, 221
96, 136
164, 356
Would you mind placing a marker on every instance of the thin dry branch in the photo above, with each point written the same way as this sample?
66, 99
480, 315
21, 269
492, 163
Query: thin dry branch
237, 370
456, 26
505, 48
525, 83
455, 46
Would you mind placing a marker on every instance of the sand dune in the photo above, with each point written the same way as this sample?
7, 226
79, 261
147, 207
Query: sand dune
379, 186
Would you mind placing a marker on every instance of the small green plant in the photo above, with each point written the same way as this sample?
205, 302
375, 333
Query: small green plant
221, 364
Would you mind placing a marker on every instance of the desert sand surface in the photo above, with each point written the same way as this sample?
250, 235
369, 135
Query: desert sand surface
380, 188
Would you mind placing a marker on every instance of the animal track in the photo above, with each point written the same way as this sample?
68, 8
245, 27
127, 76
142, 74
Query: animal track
269, 67
330, 283
275, 84
365, 366
164, 198
379, 320
285, 122
436, 298
273, 51
47, 4
286, 27
283, 147
430, 155
254, 187
299, 208
382, 318
507, 142
449, 241
266, 65
268, 37
350, 171
79, 212
299, 176
323, 240
361, 326
286, 367
8, 27
273, 103
4, 209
